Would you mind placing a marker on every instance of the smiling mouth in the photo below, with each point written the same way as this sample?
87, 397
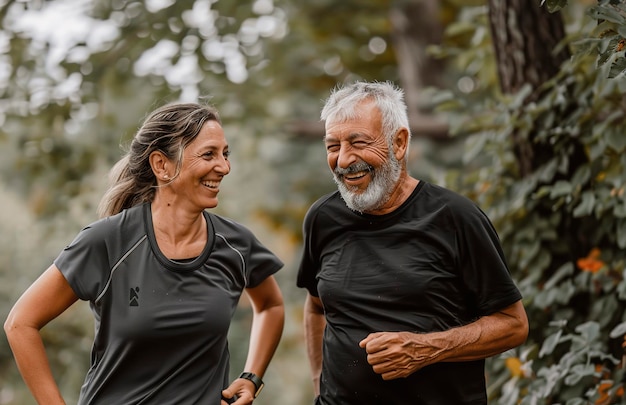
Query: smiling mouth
354, 172
355, 176
214, 185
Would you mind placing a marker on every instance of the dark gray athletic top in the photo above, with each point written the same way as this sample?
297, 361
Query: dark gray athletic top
160, 326
432, 264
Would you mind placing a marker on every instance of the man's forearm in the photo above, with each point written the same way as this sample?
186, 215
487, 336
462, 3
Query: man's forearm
400, 354
314, 324
488, 336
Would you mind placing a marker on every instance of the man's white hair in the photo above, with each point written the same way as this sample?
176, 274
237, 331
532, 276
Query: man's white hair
388, 98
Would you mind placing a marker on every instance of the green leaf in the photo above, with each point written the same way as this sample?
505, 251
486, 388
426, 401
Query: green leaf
607, 14
529, 251
619, 210
554, 5
542, 192
521, 97
621, 287
616, 139
621, 233
589, 330
546, 172
576, 401
586, 205
460, 28
578, 372
559, 323
473, 146
618, 331
550, 343
561, 188
581, 176
563, 271
597, 149
617, 67
604, 57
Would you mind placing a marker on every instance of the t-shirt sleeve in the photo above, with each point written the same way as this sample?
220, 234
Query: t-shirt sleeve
261, 263
482, 262
84, 262
309, 264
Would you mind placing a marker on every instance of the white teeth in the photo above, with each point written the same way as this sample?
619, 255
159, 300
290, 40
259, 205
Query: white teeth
210, 184
353, 176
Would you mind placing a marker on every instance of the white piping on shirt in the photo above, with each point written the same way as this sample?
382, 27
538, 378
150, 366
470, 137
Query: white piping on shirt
108, 283
243, 262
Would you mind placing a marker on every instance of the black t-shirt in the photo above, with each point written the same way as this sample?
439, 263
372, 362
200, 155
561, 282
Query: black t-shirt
432, 264
160, 326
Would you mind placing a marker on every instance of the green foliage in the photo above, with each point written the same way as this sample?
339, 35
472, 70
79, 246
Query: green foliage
554, 5
21, 261
72, 96
563, 227
612, 29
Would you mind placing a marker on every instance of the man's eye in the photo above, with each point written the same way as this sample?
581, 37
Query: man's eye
332, 148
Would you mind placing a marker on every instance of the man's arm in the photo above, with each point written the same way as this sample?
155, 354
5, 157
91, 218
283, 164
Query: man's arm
400, 354
314, 324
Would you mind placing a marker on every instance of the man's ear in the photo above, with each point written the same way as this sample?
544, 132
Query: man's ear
401, 143
160, 165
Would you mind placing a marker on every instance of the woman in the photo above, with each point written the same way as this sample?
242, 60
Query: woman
163, 278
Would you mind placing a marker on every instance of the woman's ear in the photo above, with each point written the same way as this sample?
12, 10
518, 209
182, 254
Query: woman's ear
160, 164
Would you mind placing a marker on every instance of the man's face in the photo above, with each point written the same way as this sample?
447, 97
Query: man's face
362, 162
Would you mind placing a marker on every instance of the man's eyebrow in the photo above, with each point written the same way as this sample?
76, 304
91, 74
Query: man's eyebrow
351, 137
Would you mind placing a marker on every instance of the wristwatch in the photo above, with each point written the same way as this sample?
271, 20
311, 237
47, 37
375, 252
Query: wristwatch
258, 383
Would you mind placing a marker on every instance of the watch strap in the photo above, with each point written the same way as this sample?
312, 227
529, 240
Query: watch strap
256, 380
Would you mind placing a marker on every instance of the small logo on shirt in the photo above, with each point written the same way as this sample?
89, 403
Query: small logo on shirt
134, 297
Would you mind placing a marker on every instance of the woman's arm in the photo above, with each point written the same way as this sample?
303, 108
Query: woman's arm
43, 301
267, 328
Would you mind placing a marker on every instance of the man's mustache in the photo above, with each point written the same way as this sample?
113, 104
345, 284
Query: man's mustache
353, 168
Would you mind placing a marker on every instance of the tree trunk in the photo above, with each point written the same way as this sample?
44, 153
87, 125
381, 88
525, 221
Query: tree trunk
526, 37
415, 25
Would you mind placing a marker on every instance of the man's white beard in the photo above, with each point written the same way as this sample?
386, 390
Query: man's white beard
379, 190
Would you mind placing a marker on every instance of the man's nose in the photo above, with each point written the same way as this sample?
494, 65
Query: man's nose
345, 157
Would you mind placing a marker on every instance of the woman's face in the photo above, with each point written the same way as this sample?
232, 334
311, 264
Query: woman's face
204, 165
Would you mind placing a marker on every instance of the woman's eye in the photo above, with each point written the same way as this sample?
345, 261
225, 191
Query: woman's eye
211, 155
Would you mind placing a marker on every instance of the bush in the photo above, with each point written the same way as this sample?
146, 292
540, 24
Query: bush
563, 226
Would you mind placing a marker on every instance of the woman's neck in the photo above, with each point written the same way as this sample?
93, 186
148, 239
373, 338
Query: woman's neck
180, 234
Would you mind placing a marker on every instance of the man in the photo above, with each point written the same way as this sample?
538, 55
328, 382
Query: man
408, 288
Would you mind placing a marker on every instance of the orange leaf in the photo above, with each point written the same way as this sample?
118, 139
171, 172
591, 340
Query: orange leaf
514, 365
